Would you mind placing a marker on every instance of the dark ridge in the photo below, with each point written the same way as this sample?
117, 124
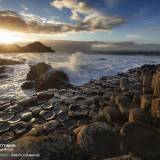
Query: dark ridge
36, 47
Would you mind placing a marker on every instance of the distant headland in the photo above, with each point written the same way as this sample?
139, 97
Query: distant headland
36, 47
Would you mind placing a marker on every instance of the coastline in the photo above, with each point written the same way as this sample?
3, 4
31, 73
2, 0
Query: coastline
116, 106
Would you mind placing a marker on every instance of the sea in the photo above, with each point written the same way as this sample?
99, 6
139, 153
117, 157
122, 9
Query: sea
80, 68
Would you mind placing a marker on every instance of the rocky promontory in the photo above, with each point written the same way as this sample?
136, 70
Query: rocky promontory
113, 118
35, 47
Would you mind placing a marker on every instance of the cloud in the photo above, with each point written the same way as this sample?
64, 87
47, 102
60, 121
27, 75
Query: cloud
31, 23
24, 7
12, 21
76, 7
153, 29
90, 19
133, 36
125, 46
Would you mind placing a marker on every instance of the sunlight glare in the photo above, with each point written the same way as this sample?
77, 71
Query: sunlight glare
7, 37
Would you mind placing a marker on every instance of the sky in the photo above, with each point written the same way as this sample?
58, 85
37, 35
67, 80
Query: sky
126, 23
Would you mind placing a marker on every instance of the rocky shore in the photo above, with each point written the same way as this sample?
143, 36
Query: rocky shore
113, 118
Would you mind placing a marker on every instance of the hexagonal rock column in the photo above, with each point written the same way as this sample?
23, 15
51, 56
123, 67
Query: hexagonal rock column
124, 84
146, 101
99, 140
156, 84
155, 108
142, 139
147, 81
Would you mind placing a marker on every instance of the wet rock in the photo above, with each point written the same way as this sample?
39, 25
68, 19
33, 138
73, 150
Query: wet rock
146, 102
4, 126
35, 131
83, 121
15, 108
6, 116
99, 139
112, 114
79, 113
47, 115
50, 126
15, 119
80, 100
7, 136
26, 116
21, 128
47, 106
28, 101
55, 79
139, 138
62, 116
9, 62
155, 110
37, 121
27, 85
38, 70
36, 110
70, 123
45, 95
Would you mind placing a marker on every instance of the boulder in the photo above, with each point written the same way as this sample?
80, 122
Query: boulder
99, 140
142, 139
125, 104
112, 114
38, 70
27, 85
56, 147
28, 101
44, 95
56, 79
122, 99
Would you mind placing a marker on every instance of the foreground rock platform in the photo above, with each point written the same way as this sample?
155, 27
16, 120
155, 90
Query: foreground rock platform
113, 118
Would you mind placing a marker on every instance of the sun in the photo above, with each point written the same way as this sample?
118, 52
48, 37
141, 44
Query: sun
9, 37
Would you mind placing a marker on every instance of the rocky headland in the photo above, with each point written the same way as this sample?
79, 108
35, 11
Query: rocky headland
113, 118
35, 47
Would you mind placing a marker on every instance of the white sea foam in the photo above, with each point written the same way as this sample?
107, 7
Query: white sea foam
80, 67
73, 63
